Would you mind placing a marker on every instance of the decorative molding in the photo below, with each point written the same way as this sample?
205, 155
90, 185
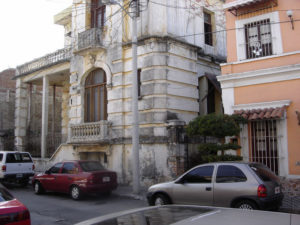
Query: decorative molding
92, 59
262, 105
260, 58
269, 75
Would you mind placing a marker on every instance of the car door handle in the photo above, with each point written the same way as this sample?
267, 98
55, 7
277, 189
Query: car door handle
208, 188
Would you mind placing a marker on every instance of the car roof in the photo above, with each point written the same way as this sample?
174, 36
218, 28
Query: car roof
226, 163
64, 161
195, 215
3, 151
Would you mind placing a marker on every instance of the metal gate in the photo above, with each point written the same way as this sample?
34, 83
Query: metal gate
263, 143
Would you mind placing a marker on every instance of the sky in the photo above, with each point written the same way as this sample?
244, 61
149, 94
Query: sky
28, 30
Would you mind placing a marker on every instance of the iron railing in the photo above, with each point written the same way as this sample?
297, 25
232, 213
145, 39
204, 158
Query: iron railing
59, 56
89, 132
53, 142
91, 38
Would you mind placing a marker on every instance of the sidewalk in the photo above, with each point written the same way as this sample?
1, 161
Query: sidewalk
289, 204
126, 191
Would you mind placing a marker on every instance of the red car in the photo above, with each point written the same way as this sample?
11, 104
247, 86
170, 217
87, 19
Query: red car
12, 212
76, 178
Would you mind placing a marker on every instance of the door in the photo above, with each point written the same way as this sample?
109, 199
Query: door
49, 179
13, 164
195, 187
65, 178
231, 182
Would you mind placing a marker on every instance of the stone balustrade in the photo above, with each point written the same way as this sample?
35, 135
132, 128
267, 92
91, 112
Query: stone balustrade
59, 56
89, 132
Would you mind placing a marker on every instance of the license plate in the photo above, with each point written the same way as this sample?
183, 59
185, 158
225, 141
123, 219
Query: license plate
277, 190
19, 175
106, 179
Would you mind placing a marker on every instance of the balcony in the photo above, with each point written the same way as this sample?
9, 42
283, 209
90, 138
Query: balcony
89, 133
90, 39
59, 56
241, 7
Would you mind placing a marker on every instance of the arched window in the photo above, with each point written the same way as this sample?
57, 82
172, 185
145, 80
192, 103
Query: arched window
95, 96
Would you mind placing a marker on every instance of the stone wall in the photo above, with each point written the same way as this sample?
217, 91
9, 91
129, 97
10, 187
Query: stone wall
7, 109
291, 190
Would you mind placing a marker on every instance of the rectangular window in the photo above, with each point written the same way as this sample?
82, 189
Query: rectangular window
208, 35
258, 39
97, 14
264, 143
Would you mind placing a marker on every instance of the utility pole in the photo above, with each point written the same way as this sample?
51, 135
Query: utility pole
135, 113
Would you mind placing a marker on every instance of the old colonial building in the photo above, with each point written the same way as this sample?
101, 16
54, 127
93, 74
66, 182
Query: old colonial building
261, 80
180, 46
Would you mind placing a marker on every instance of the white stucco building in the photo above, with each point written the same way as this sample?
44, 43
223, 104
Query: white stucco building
180, 45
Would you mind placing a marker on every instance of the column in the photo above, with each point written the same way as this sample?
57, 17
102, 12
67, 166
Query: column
45, 104
21, 112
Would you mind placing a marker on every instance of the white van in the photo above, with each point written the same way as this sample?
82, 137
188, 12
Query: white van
16, 167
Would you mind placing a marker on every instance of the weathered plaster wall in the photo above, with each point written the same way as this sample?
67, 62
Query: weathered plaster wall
170, 68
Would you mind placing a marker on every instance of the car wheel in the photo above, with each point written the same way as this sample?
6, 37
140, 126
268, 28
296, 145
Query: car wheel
246, 204
161, 199
38, 188
75, 192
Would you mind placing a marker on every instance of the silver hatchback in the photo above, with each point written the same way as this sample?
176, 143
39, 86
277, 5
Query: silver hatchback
222, 184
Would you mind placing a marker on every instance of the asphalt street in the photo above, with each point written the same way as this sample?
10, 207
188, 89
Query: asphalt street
60, 209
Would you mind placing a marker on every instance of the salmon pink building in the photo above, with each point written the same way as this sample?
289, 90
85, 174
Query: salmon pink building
261, 80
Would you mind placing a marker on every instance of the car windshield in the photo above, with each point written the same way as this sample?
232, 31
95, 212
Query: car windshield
163, 215
264, 172
91, 166
5, 195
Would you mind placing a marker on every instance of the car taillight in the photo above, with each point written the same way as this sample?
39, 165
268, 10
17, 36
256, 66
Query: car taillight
261, 191
33, 167
14, 217
4, 168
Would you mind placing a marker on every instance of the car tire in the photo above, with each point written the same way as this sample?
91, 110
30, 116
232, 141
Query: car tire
75, 192
38, 188
161, 199
246, 204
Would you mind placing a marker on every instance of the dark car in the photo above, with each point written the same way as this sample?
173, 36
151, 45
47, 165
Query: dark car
222, 184
76, 178
12, 211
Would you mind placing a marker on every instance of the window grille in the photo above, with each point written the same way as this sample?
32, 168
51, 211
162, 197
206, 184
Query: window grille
258, 39
264, 143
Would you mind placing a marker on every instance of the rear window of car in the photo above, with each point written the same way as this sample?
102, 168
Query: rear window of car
91, 166
18, 158
230, 174
5, 195
263, 172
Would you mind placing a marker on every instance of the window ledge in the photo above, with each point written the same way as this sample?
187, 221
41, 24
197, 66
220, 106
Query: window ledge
260, 58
